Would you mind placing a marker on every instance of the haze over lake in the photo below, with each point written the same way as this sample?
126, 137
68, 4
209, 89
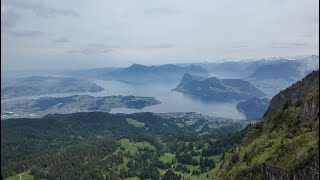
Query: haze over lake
171, 101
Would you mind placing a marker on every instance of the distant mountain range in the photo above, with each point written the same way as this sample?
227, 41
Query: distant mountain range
235, 69
286, 70
290, 70
215, 89
251, 68
272, 78
140, 74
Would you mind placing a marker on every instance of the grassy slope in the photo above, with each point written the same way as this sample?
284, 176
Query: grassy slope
133, 146
24, 176
167, 157
135, 123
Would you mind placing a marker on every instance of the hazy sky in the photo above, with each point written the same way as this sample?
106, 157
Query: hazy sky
40, 34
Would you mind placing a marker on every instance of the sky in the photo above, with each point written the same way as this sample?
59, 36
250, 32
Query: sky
79, 34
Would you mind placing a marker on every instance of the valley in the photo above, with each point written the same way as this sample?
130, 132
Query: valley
192, 128
171, 101
159, 90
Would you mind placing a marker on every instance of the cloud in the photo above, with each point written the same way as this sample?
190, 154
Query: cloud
159, 46
94, 48
9, 18
287, 45
38, 8
157, 31
48, 12
24, 33
11, 13
159, 11
240, 46
61, 40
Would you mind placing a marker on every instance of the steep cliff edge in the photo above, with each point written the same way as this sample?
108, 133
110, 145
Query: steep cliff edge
285, 144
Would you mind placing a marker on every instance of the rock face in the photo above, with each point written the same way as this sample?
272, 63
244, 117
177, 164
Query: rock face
285, 144
215, 89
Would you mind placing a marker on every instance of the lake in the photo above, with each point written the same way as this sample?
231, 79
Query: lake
171, 101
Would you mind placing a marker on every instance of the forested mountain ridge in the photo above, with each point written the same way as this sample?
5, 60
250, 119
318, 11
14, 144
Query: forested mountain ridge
97, 145
215, 89
254, 108
285, 145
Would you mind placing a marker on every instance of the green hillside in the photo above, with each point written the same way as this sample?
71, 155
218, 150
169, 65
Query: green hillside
96, 145
285, 145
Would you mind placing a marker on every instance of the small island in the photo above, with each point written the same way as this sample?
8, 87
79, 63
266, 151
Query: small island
71, 104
